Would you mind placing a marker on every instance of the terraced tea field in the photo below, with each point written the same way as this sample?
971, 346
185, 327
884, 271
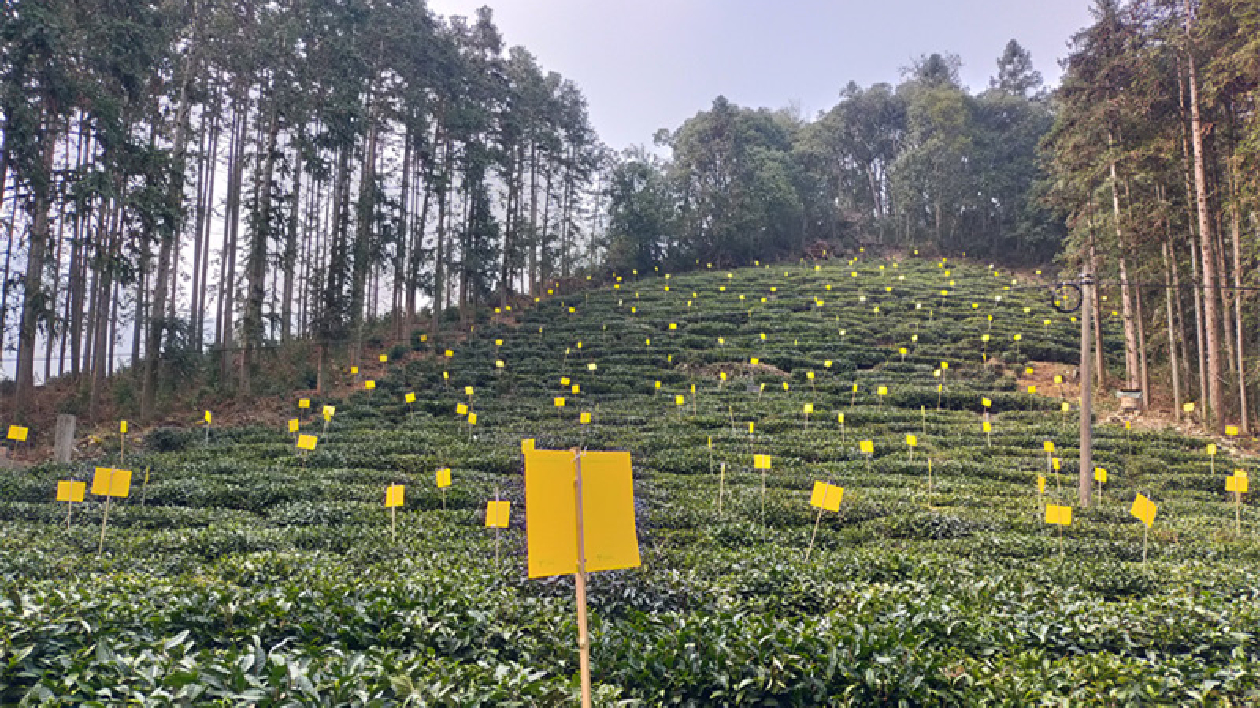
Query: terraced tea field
243, 573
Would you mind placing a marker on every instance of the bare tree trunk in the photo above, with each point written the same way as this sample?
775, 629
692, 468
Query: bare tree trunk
37, 248
1173, 364
1214, 419
256, 263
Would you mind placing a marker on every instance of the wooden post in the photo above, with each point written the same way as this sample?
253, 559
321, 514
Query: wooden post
144, 487
393, 529
1145, 533
496, 528
721, 486
104, 522
929, 483
814, 535
584, 641
1237, 513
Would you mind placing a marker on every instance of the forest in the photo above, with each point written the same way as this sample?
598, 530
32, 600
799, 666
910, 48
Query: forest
195, 189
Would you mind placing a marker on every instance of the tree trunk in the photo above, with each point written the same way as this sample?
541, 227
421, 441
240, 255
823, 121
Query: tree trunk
256, 262
1214, 419
37, 248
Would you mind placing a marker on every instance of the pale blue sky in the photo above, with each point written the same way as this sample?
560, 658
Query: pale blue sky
648, 64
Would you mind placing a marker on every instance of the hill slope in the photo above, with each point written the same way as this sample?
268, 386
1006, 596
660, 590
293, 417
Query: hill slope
271, 578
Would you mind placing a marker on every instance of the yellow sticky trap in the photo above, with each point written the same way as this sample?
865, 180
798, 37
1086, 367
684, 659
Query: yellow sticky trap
468, 390
754, 361
809, 408
1056, 464
867, 447
609, 537
527, 444
1211, 449
384, 358
1188, 407
461, 409
912, 440
750, 428
472, 418
564, 380
354, 369
307, 442
984, 337
680, 400
498, 364
785, 386
902, 351
722, 375
577, 388
883, 391
208, 417
1100, 475
329, 412
443, 478
944, 365
446, 375
498, 342
394, 495
1236, 482
1061, 515
293, 425
1032, 389
410, 397
498, 514
1229, 429
111, 483
809, 375
424, 337
1028, 370
840, 418
761, 462
304, 403
986, 427
369, 384
584, 418
1018, 337
558, 401
1048, 446
1058, 378
1065, 406
673, 325
987, 403
1144, 510
122, 427
592, 367
70, 491
827, 363
826, 496
1041, 484
449, 353
763, 336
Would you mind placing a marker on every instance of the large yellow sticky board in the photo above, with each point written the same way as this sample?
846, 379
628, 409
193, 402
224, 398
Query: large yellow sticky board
1144, 510
498, 513
1236, 483
70, 491
18, 433
394, 494
610, 539
1061, 515
111, 483
443, 477
867, 446
307, 442
304, 403
761, 462
826, 496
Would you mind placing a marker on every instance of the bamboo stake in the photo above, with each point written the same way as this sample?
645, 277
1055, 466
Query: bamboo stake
104, 522
584, 642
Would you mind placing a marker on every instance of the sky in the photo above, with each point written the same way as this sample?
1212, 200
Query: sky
649, 64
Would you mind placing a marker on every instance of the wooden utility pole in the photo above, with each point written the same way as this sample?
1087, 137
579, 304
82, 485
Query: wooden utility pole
1087, 413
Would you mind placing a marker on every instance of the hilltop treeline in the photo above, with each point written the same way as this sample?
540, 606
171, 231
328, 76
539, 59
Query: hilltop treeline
922, 163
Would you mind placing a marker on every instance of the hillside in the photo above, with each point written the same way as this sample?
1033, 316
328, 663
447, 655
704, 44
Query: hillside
245, 572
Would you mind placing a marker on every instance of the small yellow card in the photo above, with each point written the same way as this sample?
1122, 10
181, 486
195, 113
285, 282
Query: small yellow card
444, 478
761, 462
867, 446
394, 495
70, 491
498, 513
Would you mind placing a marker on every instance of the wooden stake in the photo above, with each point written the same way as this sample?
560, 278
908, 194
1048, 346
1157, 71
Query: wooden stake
579, 578
104, 522
1237, 513
817, 520
929, 483
721, 486
1145, 532
496, 529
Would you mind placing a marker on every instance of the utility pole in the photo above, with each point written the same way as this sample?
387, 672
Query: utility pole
1086, 381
